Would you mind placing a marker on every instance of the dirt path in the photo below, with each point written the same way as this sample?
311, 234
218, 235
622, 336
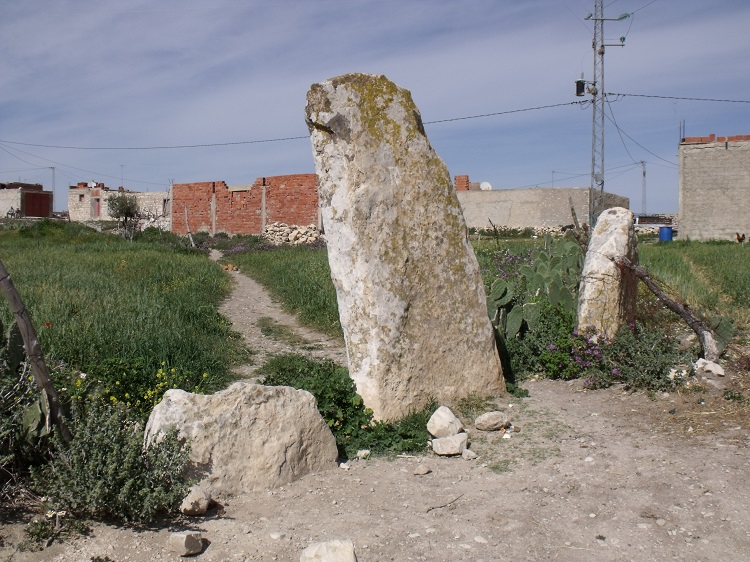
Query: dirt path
267, 329
592, 475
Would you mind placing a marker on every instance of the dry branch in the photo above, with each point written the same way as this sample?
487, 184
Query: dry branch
704, 333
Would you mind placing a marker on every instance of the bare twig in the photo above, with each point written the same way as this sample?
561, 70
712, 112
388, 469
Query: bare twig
445, 504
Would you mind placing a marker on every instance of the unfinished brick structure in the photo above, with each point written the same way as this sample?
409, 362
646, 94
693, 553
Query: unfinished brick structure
714, 196
214, 206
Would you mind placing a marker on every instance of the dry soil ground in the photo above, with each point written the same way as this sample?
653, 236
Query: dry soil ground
591, 475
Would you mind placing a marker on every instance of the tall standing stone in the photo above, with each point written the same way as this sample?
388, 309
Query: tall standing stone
411, 299
608, 295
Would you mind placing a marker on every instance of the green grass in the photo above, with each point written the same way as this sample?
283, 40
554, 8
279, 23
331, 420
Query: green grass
711, 277
97, 299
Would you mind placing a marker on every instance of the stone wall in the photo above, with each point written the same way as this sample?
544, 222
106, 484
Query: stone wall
87, 204
530, 208
714, 187
245, 209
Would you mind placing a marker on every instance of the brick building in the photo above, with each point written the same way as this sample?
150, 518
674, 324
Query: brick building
214, 206
714, 187
29, 198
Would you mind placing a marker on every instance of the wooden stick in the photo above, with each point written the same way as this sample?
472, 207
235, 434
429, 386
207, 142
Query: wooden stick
704, 333
39, 370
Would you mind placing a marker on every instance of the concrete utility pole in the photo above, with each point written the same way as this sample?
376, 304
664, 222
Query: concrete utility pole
643, 189
596, 89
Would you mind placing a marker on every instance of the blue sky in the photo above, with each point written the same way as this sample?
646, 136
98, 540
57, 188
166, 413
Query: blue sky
137, 73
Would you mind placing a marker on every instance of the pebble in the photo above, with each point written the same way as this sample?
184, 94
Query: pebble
276, 535
661, 522
480, 539
588, 459
421, 470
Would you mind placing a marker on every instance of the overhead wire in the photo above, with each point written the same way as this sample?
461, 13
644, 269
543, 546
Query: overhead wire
4, 148
617, 128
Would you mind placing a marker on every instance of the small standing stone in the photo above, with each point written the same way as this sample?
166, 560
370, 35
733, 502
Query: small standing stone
468, 455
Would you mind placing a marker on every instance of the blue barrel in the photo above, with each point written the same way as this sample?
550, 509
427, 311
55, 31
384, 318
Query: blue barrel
665, 234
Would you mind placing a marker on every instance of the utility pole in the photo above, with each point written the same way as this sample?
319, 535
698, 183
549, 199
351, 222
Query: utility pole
596, 89
53, 185
643, 189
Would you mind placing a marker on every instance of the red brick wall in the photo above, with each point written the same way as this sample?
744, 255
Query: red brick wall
713, 138
290, 199
461, 183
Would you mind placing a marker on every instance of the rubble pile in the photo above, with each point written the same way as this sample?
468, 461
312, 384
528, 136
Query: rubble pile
279, 233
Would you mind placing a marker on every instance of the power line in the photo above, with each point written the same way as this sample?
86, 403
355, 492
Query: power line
619, 132
4, 149
205, 145
677, 98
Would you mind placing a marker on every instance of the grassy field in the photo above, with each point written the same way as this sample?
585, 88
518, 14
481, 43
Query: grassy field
100, 303
713, 278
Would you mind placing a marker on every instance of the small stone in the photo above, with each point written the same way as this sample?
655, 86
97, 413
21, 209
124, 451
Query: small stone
480, 539
185, 543
330, 551
468, 455
588, 459
453, 445
421, 470
444, 423
506, 435
661, 522
363, 454
430, 530
492, 421
414, 535
196, 502
276, 535
344, 466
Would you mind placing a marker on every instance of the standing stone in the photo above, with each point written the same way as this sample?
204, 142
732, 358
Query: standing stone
411, 299
608, 295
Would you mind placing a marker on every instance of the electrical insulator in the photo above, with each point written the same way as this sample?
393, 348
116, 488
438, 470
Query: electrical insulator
580, 87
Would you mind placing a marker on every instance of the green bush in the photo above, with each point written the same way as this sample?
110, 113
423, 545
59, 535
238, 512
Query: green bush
343, 410
106, 474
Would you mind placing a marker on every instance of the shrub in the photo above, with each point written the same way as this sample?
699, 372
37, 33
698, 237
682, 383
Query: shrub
105, 473
343, 410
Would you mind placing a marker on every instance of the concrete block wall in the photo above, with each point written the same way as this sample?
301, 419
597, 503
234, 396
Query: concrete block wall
245, 209
530, 208
714, 187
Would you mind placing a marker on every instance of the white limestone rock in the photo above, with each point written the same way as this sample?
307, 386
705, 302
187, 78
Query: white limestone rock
329, 551
185, 543
444, 423
710, 368
247, 437
410, 295
607, 296
452, 445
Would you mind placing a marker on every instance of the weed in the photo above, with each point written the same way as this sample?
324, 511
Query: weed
501, 466
105, 473
343, 410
